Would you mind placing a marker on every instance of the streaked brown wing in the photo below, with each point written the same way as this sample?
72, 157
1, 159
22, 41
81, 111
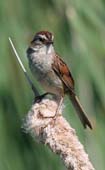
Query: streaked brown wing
62, 71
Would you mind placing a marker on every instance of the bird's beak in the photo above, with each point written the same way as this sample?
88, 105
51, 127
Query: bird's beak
49, 42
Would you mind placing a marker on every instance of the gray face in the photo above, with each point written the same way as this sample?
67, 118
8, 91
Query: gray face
43, 38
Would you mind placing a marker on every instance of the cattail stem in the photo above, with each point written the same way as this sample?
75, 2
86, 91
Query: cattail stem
34, 89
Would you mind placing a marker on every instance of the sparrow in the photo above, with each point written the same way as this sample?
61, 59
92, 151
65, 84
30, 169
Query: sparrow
53, 73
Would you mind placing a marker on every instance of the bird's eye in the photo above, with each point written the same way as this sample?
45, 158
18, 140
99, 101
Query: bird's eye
41, 39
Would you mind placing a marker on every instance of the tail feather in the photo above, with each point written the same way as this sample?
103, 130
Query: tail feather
80, 111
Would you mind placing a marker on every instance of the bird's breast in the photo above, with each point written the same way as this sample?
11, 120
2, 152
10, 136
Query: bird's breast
41, 67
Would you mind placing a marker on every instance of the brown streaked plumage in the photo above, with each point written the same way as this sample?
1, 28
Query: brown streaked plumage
64, 74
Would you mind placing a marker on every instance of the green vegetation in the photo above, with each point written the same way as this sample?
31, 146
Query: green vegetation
79, 29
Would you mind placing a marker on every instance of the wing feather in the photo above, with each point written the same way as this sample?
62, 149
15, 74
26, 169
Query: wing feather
63, 72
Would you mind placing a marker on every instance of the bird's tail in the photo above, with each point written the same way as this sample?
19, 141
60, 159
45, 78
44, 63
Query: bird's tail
80, 111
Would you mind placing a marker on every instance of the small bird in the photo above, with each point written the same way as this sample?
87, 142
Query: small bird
52, 72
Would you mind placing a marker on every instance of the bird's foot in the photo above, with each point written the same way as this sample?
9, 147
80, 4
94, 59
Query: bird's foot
58, 111
38, 99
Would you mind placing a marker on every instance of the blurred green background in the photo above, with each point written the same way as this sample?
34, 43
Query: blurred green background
79, 29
